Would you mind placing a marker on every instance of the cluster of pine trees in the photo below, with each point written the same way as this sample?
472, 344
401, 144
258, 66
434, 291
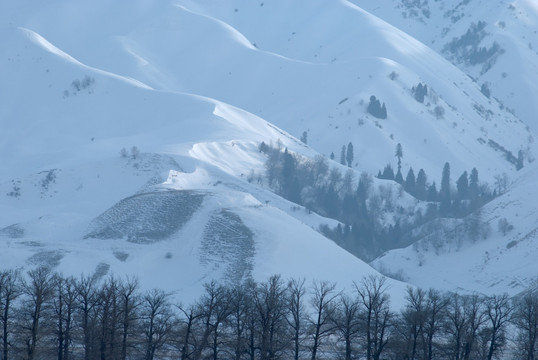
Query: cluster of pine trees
466, 197
376, 109
44, 315
328, 192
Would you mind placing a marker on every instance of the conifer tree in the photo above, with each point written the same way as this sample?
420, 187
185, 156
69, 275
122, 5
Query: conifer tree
399, 155
349, 154
519, 164
444, 192
388, 173
410, 182
432, 193
463, 186
343, 155
473, 184
420, 185
399, 178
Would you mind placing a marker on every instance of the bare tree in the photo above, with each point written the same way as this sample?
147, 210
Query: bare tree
38, 292
435, 306
375, 313
498, 310
474, 316
237, 322
157, 321
108, 317
211, 307
322, 301
414, 318
526, 320
187, 324
87, 300
347, 324
10, 290
296, 314
64, 305
130, 302
269, 312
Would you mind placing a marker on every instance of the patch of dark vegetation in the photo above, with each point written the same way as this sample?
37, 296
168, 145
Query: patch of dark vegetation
148, 217
15, 231
48, 259
101, 270
228, 242
468, 48
16, 189
508, 155
120, 255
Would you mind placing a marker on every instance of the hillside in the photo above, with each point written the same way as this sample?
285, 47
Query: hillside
495, 43
86, 202
505, 259
132, 132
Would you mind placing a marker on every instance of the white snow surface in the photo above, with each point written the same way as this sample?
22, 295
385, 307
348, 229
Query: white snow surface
196, 86
513, 78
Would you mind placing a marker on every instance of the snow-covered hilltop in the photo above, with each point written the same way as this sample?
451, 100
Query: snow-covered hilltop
131, 136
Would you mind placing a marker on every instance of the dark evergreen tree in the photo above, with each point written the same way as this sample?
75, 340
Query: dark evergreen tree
444, 192
420, 92
349, 154
263, 147
474, 189
383, 112
388, 173
332, 155
410, 182
485, 90
375, 108
420, 185
343, 155
399, 155
399, 178
304, 137
462, 186
519, 163
290, 187
432, 193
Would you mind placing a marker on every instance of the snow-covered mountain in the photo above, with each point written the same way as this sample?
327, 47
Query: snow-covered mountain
493, 42
130, 129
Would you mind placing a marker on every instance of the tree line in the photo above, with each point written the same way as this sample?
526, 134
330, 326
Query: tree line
359, 207
44, 315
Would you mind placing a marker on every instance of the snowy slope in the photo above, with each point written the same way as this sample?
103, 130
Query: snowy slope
72, 201
503, 262
312, 74
194, 87
513, 75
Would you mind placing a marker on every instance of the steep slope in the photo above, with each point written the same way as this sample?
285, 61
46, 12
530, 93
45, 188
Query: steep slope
494, 42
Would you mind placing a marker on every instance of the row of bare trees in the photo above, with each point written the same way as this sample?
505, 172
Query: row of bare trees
44, 315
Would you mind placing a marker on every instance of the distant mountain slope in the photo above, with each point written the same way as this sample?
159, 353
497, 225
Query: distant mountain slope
313, 75
494, 42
